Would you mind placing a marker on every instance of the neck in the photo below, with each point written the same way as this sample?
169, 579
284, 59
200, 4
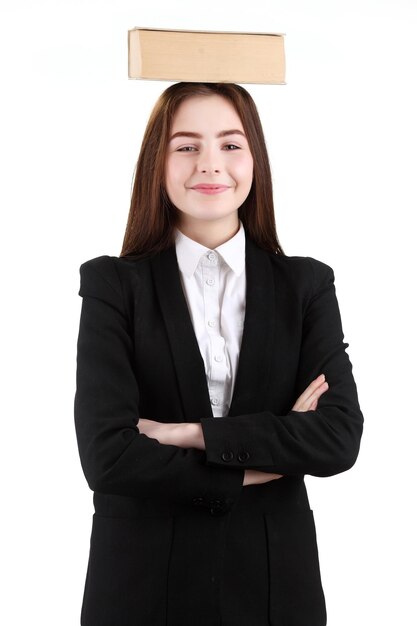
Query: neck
211, 234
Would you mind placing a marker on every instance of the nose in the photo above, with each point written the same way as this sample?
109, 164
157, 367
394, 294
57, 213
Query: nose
209, 161
209, 170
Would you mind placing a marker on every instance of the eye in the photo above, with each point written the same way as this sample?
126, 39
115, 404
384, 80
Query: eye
188, 148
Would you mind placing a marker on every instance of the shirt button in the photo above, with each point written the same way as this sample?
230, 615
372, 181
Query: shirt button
218, 358
214, 400
212, 323
211, 256
210, 281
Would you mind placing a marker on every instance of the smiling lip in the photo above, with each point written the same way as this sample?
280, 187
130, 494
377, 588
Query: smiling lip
209, 186
210, 189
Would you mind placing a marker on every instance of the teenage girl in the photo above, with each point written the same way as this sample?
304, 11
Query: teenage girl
212, 377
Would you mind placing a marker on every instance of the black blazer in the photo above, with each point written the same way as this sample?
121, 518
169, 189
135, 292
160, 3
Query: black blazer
176, 539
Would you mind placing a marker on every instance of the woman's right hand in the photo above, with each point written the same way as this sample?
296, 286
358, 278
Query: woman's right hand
307, 401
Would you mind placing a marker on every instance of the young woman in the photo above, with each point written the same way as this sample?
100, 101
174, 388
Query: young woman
211, 377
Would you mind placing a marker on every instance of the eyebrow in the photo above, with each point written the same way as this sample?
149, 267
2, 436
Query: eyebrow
222, 133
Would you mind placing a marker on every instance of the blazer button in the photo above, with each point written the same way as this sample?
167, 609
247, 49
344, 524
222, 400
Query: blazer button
243, 456
216, 507
227, 455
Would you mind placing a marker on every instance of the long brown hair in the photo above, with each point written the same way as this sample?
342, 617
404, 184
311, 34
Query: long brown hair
153, 217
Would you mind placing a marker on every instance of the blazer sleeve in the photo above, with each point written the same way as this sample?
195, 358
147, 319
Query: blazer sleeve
115, 457
322, 442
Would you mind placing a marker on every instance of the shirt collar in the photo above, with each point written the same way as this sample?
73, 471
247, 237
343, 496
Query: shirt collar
189, 252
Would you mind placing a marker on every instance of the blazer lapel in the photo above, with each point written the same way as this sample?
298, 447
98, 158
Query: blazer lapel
256, 350
257, 338
189, 364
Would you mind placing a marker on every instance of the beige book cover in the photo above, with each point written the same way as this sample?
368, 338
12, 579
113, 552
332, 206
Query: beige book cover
206, 56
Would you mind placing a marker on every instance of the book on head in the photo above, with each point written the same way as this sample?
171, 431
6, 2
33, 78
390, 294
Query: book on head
206, 56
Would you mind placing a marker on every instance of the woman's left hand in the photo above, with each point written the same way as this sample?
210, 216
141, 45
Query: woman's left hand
184, 435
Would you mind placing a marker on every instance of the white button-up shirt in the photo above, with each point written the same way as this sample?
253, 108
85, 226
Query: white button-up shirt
214, 285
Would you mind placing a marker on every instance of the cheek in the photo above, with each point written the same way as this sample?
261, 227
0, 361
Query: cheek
170, 182
243, 167
175, 172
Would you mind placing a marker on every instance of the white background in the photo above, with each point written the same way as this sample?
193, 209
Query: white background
342, 142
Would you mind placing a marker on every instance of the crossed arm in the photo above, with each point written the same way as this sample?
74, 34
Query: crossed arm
320, 441
190, 434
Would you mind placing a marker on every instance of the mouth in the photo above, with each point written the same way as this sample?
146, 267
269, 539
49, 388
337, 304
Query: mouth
210, 190
207, 186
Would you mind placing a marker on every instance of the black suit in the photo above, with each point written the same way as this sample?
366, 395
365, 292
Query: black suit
176, 539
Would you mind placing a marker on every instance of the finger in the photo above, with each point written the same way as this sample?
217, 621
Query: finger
315, 395
311, 387
312, 396
320, 390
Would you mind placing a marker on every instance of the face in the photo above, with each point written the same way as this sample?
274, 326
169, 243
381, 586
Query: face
205, 155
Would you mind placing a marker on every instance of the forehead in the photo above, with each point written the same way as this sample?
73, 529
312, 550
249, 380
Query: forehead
203, 111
